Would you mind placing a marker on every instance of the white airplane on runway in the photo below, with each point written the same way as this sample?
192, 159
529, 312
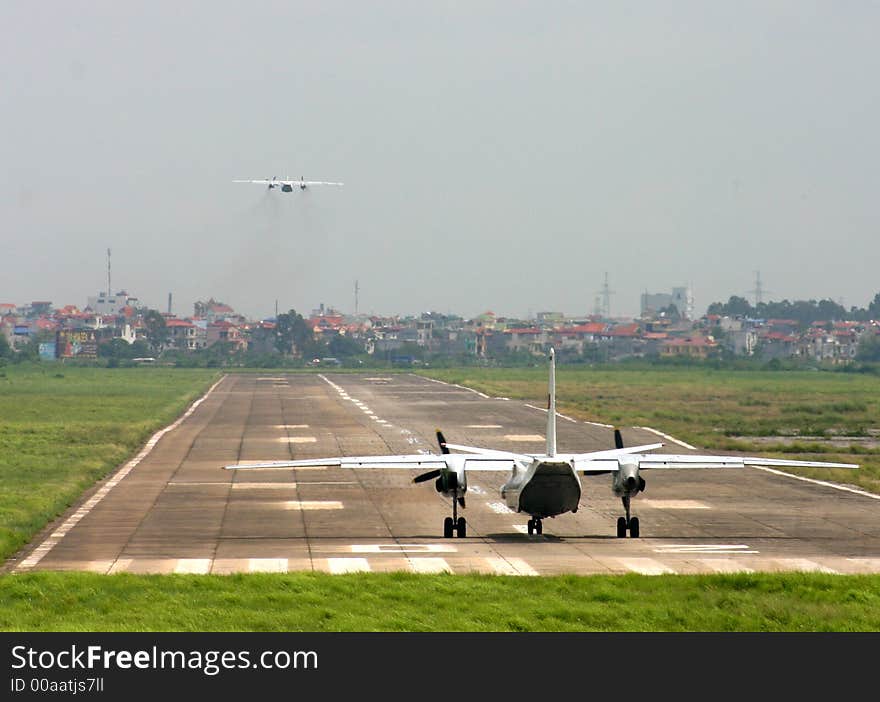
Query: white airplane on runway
541, 485
287, 185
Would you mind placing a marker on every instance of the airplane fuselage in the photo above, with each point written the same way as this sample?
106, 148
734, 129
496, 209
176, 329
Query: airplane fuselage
543, 488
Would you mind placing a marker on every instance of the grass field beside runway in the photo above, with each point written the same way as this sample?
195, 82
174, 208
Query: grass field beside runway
47, 601
772, 413
63, 428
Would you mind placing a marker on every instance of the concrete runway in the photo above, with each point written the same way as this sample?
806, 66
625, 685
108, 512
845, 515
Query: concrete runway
178, 511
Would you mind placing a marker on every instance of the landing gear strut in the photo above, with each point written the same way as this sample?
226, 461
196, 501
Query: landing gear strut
455, 523
536, 526
627, 523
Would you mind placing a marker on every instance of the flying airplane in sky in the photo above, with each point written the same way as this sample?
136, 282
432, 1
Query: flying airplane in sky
287, 185
541, 485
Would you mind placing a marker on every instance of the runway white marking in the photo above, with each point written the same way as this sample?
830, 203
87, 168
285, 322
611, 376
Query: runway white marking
725, 565
199, 566
558, 414
511, 566
403, 548
297, 439
298, 468
430, 565
291, 426
273, 379
704, 548
499, 508
383, 380
39, 553
304, 505
804, 564
523, 437
267, 565
348, 565
483, 426
674, 504
823, 483
522, 528
645, 566
599, 424
476, 489
263, 486
670, 438
237, 486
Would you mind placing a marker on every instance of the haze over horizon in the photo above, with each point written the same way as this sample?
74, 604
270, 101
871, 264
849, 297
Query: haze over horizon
495, 155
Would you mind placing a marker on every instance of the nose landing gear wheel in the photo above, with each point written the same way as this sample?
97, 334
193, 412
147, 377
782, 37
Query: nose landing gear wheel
621, 527
536, 526
461, 528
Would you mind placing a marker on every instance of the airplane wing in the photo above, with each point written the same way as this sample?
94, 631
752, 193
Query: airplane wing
412, 461
263, 181
311, 182
663, 460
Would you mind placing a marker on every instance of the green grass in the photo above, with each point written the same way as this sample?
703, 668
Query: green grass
719, 410
408, 602
64, 428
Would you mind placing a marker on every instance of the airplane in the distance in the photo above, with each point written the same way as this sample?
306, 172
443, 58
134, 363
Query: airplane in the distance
287, 186
540, 485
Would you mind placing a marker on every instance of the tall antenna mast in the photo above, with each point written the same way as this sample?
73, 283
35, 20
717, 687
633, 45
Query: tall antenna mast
607, 292
759, 291
356, 289
109, 289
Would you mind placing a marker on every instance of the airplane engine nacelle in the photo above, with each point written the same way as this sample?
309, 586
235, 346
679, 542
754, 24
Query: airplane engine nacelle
627, 480
451, 483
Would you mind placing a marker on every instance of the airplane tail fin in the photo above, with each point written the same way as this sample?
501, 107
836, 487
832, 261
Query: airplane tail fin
551, 406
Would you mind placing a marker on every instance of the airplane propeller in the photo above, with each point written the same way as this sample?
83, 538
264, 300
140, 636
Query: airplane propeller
431, 474
618, 439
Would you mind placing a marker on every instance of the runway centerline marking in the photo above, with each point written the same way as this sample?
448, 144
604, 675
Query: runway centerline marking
674, 504
704, 548
304, 505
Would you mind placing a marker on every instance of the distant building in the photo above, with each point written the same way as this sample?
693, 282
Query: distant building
680, 298
110, 305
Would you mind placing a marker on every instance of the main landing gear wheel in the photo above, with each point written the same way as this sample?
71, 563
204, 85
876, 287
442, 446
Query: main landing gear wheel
536, 526
627, 523
457, 526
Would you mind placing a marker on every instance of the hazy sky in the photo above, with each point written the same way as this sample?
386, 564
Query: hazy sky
496, 155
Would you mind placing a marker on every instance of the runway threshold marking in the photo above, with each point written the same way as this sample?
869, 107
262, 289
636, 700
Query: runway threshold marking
430, 565
725, 565
267, 565
348, 565
403, 548
511, 566
200, 566
47, 545
645, 566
